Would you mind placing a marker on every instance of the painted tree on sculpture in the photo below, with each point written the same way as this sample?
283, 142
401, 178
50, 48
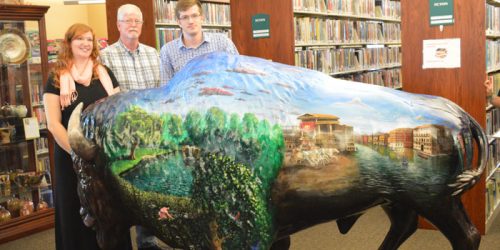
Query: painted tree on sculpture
136, 127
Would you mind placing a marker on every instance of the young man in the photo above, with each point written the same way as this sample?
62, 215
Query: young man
193, 41
136, 66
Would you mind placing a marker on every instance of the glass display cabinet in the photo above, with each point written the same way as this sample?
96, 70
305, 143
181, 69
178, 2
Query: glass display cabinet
26, 168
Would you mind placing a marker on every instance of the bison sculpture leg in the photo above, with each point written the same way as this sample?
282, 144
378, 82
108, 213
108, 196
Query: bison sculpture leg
403, 224
450, 217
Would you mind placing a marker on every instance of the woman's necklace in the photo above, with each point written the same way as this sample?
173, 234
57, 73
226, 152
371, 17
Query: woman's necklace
80, 71
81, 75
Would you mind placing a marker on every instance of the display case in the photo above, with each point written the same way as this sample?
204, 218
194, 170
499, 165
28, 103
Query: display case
26, 169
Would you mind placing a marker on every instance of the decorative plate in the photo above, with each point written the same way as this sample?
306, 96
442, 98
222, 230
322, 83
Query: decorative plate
14, 46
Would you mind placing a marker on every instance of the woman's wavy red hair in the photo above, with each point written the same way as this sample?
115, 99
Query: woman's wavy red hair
65, 56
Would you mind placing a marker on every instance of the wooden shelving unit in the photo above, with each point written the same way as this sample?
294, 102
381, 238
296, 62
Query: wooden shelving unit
20, 84
290, 44
462, 85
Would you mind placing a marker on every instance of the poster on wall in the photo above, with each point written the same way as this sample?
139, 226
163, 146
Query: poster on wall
441, 53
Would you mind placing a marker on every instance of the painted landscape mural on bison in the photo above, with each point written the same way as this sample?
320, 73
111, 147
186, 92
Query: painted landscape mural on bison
237, 152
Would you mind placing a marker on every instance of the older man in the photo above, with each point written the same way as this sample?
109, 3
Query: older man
135, 65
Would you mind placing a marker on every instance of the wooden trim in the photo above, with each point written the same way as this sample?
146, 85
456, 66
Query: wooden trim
23, 226
22, 12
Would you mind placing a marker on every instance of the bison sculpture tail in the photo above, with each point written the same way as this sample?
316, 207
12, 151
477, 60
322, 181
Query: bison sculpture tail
470, 176
448, 213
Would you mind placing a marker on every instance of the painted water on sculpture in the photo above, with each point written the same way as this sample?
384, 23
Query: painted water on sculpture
167, 175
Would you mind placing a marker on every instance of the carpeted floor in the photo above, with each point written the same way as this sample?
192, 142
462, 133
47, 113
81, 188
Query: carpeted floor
367, 233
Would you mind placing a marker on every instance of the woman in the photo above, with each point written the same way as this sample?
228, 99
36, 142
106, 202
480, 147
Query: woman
77, 77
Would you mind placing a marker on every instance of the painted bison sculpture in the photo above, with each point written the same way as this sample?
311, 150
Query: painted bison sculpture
239, 152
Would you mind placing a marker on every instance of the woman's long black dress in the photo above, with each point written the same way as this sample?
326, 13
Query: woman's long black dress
71, 233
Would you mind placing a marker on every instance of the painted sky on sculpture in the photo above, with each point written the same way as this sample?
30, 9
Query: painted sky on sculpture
356, 104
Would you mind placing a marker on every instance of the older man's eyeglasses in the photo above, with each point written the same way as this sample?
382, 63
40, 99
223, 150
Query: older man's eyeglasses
130, 21
188, 17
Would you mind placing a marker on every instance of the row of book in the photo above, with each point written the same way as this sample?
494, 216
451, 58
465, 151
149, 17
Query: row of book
492, 121
492, 19
492, 193
43, 164
325, 30
366, 8
492, 54
495, 79
331, 60
494, 153
36, 82
165, 35
214, 13
41, 145
386, 77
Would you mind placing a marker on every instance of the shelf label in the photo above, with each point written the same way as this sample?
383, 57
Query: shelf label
441, 12
260, 26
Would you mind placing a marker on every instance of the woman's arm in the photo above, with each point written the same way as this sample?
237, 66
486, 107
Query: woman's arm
116, 85
54, 118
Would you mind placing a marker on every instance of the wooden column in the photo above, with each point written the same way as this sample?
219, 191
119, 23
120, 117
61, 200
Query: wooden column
463, 85
279, 47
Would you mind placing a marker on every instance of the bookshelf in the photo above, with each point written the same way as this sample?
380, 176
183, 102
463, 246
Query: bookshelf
492, 196
357, 40
160, 24
26, 163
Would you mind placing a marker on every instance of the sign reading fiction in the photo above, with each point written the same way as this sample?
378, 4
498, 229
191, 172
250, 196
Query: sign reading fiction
260, 26
441, 12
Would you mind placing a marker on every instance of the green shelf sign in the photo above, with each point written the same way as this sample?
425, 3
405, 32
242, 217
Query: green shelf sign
260, 26
441, 12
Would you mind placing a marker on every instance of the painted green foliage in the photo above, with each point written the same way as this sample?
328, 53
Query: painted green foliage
240, 159
256, 144
133, 128
173, 132
236, 210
